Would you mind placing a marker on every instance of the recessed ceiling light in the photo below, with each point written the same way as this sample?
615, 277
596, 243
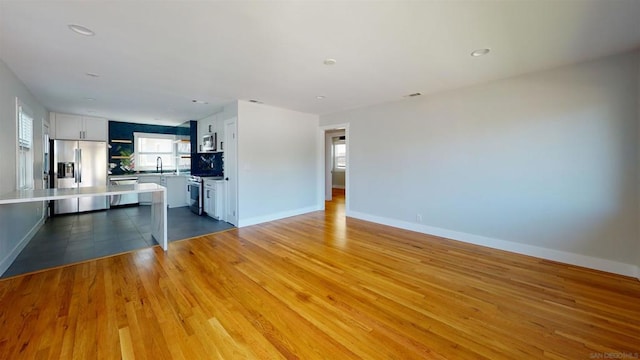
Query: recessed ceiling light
93, 75
329, 61
199, 101
480, 52
320, 97
79, 29
90, 99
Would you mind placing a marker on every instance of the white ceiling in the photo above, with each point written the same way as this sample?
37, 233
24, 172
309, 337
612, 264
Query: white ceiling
154, 57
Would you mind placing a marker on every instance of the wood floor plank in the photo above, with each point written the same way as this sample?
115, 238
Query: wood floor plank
319, 286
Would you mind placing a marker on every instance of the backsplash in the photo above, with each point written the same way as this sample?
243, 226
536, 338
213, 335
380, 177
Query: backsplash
208, 164
121, 143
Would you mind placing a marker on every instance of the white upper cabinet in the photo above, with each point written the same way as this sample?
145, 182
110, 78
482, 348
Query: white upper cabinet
205, 127
78, 127
211, 125
65, 126
214, 124
95, 128
219, 126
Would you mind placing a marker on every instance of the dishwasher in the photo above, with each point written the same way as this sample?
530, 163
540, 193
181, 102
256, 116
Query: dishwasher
125, 199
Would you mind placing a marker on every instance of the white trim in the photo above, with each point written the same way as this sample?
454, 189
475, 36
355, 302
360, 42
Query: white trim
536, 251
278, 216
11, 256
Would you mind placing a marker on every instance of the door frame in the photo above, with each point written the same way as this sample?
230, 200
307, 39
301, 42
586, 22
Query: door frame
322, 165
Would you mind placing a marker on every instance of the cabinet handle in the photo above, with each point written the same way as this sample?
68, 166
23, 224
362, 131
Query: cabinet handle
209, 128
207, 194
221, 145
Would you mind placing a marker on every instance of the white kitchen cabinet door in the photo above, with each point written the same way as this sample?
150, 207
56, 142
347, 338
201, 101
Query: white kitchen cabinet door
175, 190
77, 127
209, 199
219, 127
95, 128
219, 200
67, 126
214, 201
206, 126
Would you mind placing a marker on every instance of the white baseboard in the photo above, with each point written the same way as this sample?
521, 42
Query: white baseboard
536, 251
6, 261
278, 216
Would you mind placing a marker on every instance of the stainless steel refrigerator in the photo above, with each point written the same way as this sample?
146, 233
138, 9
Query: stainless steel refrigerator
79, 164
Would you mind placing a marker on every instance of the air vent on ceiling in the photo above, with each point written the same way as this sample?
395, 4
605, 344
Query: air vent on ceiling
413, 95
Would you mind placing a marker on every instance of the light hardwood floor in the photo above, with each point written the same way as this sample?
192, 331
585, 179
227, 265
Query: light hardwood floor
319, 286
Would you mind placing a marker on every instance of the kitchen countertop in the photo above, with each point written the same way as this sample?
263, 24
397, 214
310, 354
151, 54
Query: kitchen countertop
22, 196
115, 177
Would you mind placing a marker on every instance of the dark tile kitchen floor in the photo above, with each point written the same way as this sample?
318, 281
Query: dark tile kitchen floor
71, 238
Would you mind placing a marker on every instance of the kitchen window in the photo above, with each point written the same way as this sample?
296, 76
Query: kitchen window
24, 124
148, 147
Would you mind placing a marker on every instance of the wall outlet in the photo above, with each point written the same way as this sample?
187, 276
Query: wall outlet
419, 218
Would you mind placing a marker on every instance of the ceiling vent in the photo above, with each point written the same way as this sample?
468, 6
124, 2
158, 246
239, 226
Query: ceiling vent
413, 95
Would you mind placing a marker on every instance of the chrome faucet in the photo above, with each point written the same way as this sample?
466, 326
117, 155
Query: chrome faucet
159, 164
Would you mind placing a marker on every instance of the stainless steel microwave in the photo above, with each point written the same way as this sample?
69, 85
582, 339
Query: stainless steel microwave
209, 142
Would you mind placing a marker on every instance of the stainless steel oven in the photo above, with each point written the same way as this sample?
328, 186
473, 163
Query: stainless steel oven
194, 188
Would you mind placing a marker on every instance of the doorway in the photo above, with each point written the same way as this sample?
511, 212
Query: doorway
335, 160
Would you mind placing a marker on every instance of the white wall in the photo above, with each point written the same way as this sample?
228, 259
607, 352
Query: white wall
638, 180
277, 172
545, 164
17, 221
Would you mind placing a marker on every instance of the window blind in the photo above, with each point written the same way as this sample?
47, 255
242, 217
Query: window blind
25, 129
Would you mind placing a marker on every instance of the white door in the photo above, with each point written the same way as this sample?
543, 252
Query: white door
231, 170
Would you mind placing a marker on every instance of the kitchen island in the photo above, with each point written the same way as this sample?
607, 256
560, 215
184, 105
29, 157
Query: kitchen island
158, 206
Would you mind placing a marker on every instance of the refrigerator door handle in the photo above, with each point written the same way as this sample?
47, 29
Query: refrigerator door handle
75, 167
79, 165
